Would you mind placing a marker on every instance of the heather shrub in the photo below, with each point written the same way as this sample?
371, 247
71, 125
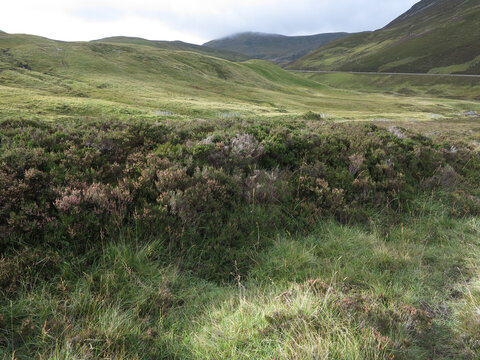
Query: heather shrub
24, 198
268, 187
172, 179
317, 198
99, 206
463, 203
202, 200
284, 149
313, 116
246, 147
189, 181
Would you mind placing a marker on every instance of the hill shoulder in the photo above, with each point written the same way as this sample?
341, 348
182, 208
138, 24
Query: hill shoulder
176, 45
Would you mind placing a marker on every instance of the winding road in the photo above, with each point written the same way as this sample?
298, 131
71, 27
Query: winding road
384, 73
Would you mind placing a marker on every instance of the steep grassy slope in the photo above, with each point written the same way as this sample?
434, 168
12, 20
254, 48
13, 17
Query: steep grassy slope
177, 46
276, 48
437, 36
143, 78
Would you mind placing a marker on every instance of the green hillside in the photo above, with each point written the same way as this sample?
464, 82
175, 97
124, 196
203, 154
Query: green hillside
436, 36
176, 46
139, 79
50, 79
279, 49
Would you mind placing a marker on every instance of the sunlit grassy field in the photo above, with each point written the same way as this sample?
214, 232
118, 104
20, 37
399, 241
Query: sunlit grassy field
268, 92
128, 80
460, 125
462, 88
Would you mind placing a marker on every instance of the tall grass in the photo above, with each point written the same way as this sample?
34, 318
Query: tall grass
343, 291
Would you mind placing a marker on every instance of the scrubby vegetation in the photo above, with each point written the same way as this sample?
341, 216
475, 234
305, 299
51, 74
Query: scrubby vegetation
72, 181
235, 239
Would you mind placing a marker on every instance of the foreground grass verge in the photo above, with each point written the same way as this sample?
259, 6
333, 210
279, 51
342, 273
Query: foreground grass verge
342, 291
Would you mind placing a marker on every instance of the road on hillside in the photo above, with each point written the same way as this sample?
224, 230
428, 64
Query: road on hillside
383, 73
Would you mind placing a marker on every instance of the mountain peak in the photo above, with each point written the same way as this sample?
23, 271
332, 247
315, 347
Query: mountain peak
249, 34
428, 8
414, 10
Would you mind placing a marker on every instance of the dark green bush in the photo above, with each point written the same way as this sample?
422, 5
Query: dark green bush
72, 182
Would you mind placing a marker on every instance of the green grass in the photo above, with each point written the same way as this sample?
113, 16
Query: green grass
345, 292
460, 126
407, 86
177, 46
401, 283
128, 80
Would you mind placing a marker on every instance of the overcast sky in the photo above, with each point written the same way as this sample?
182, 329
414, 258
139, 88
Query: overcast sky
195, 21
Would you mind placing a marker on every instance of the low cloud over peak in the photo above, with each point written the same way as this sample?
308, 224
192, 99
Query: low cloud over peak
195, 21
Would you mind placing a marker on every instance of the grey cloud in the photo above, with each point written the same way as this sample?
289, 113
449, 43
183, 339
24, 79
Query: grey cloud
98, 14
289, 18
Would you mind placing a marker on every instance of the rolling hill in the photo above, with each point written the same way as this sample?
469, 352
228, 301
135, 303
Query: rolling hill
176, 46
43, 78
436, 36
279, 49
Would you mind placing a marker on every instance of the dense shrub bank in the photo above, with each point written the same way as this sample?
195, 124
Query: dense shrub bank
207, 187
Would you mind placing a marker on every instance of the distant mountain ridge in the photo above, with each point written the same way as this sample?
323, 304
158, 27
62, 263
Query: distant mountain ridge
436, 36
276, 48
